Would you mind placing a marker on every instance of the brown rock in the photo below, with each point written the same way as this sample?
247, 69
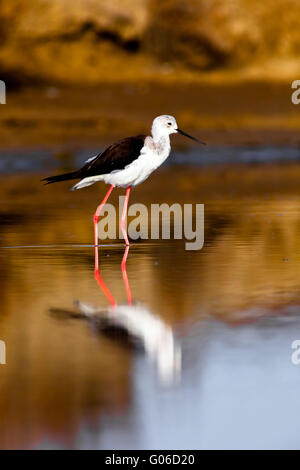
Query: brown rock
201, 33
69, 40
88, 41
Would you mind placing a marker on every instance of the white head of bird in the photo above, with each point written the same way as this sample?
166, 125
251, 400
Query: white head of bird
163, 126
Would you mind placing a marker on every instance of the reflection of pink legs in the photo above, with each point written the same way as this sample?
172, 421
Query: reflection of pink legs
98, 212
125, 277
123, 218
104, 287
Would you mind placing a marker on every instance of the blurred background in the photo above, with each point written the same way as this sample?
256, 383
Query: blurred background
80, 74
91, 70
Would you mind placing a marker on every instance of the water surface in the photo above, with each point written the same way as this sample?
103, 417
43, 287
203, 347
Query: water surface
233, 308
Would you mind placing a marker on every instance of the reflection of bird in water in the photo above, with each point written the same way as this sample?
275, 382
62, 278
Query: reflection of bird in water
143, 329
135, 324
155, 335
126, 164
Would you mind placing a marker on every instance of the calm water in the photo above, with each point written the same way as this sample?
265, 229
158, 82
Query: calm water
220, 374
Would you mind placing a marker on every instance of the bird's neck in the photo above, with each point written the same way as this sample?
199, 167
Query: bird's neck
161, 140
161, 148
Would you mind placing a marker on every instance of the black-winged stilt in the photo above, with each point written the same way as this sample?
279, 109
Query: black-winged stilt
126, 164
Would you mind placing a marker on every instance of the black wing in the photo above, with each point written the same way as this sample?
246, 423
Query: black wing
116, 157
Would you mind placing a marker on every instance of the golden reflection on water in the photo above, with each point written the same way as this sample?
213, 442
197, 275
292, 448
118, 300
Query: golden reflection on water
59, 371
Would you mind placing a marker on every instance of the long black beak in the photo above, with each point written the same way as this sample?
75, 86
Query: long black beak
190, 137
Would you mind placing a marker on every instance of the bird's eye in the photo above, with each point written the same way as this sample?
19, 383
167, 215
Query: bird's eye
169, 124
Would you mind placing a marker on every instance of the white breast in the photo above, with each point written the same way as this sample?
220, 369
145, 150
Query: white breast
151, 157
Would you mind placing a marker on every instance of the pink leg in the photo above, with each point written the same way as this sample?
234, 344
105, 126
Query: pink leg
96, 220
125, 277
124, 215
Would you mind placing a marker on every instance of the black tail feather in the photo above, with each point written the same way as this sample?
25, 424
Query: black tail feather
73, 175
